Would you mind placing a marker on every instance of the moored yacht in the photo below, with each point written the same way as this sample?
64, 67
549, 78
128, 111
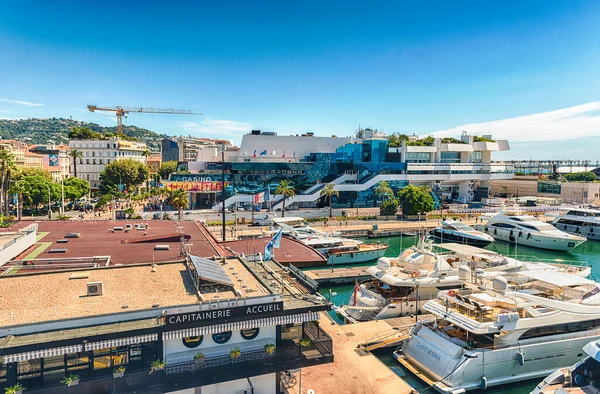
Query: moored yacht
482, 337
458, 232
522, 229
581, 378
344, 251
580, 221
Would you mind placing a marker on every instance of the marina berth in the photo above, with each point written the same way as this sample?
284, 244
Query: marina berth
215, 325
401, 286
486, 335
521, 229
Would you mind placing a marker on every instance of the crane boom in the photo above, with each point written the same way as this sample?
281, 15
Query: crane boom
120, 111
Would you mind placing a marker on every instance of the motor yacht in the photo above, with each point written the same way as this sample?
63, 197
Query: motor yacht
341, 251
581, 378
401, 286
458, 232
579, 221
522, 229
483, 336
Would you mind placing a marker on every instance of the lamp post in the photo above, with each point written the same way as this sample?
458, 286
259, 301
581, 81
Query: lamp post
49, 205
223, 188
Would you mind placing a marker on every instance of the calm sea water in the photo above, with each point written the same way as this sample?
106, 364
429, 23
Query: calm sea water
588, 252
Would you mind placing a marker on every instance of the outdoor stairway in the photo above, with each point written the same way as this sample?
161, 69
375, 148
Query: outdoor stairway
386, 338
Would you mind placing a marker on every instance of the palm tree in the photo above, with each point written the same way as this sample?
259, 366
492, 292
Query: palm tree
11, 171
384, 190
328, 192
286, 189
75, 154
6, 161
179, 200
18, 189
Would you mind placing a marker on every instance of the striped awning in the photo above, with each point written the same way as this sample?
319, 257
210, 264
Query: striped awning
57, 351
242, 325
121, 342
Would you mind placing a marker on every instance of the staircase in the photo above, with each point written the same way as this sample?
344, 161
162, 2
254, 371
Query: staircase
311, 194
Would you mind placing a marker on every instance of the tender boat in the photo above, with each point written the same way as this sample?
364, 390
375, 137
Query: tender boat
458, 232
580, 221
581, 378
484, 336
522, 229
341, 251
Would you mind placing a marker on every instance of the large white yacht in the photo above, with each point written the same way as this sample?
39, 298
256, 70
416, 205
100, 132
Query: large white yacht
581, 378
401, 286
580, 221
522, 229
481, 337
458, 232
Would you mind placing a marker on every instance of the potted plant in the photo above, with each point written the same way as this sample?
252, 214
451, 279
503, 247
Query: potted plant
235, 353
270, 349
119, 371
71, 380
199, 358
157, 365
16, 389
305, 342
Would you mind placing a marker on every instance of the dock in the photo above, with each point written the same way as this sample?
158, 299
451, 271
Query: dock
353, 370
339, 275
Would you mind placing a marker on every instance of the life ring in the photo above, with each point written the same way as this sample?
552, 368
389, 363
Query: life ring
451, 293
414, 274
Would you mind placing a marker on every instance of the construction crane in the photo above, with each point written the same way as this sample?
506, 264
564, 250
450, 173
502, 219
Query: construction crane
120, 111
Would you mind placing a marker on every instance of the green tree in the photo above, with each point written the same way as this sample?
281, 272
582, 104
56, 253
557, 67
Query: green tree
6, 161
396, 139
76, 188
384, 190
104, 199
389, 207
35, 172
285, 189
167, 168
415, 199
130, 173
328, 192
75, 154
179, 200
584, 176
35, 190
84, 133
19, 189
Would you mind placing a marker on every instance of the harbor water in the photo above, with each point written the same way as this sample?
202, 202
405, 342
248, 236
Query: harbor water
588, 252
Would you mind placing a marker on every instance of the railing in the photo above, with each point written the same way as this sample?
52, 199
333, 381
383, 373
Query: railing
305, 280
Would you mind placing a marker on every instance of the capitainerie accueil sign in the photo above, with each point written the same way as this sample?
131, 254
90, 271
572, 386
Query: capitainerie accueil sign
250, 311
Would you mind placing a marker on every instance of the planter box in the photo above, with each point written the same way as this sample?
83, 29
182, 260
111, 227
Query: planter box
117, 375
75, 382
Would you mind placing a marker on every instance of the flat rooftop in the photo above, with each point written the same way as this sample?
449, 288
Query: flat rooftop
27, 299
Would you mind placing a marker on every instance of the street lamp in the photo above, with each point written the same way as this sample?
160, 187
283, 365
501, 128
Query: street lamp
223, 188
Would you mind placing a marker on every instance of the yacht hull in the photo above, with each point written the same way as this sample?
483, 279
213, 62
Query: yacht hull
449, 237
355, 257
530, 239
435, 356
591, 233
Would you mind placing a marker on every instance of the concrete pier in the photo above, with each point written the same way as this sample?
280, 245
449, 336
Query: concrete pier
339, 275
352, 371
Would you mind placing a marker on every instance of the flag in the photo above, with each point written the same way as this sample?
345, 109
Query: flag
356, 290
258, 198
273, 243
254, 155
274, 153
263, 152
283, 154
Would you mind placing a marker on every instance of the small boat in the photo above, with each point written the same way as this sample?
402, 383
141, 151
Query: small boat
458, 232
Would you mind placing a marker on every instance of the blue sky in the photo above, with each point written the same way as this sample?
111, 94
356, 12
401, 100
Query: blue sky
291, 67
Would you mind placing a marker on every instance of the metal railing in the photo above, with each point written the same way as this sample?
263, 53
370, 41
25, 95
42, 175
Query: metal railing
305, 280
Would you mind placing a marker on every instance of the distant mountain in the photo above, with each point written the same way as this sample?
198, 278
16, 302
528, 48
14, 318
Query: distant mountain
55, 130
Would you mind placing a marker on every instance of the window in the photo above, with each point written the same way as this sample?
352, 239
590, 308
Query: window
557, 329
222, 337
450, 157
418, 157
548, 187
503, 225
192, 342
250, 334
477, 157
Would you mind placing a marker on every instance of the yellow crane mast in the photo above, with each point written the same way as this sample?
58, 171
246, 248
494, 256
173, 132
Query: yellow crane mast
120, 111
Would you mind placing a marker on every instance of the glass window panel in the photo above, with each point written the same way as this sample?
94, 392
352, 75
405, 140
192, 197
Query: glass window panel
222, 337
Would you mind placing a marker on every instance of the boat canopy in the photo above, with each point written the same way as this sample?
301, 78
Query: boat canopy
593, 350
557, 278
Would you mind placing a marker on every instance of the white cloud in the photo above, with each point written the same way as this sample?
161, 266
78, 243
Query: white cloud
563, 124
216, 128
27, 103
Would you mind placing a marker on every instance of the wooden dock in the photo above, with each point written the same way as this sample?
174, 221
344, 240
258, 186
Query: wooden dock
339, 275
354, 371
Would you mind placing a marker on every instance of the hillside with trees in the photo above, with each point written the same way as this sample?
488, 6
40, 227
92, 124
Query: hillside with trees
56, 130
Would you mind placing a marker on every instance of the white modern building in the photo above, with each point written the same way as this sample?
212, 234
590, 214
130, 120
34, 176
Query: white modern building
98, 153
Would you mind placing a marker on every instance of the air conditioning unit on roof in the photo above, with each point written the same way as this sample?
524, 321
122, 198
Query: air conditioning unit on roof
95, 288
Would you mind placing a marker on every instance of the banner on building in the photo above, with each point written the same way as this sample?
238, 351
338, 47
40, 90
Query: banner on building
197, 186
53, 160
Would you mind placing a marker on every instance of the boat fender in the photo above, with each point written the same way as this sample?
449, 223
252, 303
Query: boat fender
528, 235
484, 383
565, 227
487, 230
521, 358
414, 274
